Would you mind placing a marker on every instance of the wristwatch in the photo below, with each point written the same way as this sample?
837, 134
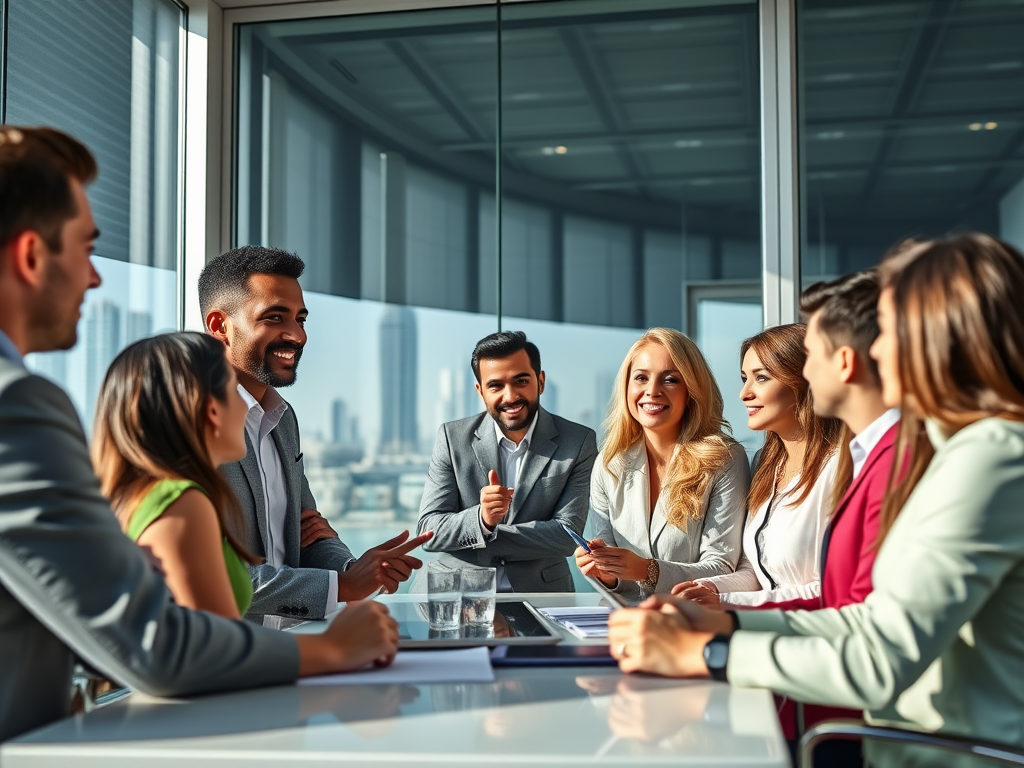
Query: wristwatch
716, 657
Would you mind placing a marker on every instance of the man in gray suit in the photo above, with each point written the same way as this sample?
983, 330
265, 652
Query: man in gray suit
251, 300
71, 584
502, 483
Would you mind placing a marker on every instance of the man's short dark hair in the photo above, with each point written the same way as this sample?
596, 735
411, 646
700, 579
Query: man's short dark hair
36, 166
848, 312
503, 344
224, 282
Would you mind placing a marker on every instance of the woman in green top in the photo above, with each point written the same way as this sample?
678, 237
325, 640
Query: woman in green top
169, 414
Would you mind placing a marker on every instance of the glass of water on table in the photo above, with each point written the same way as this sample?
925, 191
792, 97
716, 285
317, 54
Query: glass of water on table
444, 596
478, 587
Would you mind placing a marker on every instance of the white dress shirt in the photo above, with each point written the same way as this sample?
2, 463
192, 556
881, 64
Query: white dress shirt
259, 423
863, 444
782, 546
510, 461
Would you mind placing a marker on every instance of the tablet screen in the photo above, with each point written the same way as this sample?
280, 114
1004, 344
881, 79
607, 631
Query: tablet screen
514, 623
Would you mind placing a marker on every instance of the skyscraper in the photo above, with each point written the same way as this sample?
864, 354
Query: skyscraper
139, 326
339, 422
52, 365
398, 371
102, 343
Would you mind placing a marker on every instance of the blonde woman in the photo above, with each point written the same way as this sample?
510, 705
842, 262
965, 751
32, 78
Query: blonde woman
794, 482
669, 489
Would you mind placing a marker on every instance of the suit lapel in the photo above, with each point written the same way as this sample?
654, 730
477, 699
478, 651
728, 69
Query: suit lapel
286, 450
538, 455
637, 492
485, 447
252, 474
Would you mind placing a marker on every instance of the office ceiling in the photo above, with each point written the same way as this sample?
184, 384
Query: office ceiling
912, 112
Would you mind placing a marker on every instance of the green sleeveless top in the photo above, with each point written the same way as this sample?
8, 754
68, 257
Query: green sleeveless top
160, 497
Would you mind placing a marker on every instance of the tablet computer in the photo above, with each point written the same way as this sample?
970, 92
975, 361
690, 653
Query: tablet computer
515, 623
613, 600
563, 655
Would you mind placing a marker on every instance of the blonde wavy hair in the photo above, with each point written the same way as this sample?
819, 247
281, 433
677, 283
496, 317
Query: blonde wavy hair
702, 448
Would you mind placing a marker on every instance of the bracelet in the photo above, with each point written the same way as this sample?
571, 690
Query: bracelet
653, 572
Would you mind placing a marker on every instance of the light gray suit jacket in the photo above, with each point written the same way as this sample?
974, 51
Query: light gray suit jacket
72, 584
554, 488
299, 588
710, 543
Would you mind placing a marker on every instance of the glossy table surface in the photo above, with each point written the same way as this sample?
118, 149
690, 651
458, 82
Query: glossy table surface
534, 717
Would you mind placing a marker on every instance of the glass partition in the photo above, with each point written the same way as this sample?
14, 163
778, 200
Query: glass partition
109, 75
592, 173
911, 125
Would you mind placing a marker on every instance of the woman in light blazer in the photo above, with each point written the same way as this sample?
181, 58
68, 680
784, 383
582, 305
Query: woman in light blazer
668, 491
793, 491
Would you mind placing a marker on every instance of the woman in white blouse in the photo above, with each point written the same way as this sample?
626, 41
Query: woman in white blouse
668, 492
794, 487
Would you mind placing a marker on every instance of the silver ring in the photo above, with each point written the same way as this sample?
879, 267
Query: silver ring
622, 651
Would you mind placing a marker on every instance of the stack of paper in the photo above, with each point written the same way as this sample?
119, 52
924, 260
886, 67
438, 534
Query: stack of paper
582, 621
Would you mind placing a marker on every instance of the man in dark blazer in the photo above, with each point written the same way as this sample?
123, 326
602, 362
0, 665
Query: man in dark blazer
251, 300
502, 484
71, 583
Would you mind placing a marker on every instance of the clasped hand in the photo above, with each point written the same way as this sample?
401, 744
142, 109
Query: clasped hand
665, 635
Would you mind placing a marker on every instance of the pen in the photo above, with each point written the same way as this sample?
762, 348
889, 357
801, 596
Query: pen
577, 538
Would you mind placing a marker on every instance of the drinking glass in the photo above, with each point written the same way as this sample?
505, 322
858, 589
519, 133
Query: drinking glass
444, 596
478, 588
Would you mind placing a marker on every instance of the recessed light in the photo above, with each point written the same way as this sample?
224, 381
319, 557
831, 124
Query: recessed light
974, 127
829, 135
689, 143
561, 150
990, 126
548, 150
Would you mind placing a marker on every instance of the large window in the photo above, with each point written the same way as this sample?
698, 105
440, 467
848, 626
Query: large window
108, 73
912, 124
594, 172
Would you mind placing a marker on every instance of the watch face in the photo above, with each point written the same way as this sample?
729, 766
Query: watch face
716, 654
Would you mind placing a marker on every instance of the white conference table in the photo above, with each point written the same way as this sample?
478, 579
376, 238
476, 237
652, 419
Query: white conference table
532, 717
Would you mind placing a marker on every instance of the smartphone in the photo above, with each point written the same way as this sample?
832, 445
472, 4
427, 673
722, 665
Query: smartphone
580, 541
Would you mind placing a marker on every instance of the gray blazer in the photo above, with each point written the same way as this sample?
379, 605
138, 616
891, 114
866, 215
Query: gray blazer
554, 488
299, 587
710, 543
71, 584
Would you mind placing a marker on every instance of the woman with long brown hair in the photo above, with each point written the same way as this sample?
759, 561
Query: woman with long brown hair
794, 479
949, 577
168, 415
669, 488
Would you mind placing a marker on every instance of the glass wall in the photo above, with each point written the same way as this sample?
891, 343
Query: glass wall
912, 124
108, 73
594, 172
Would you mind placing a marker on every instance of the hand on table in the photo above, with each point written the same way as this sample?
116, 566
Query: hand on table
314, 528
495, 499
665, 636
384, 566
706, 594
363, 633
620, 563
588, 566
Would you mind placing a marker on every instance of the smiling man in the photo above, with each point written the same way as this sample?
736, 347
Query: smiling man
502, 483
252, 301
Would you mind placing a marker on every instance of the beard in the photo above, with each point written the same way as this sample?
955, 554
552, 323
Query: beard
258, 365
498, 414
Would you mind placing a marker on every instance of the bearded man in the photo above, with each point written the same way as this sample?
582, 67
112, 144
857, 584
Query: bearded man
252, 301
503, 484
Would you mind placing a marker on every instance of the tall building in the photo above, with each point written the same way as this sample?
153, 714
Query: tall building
102, 343
339, 422
398, 371
52, 365
550, 397
139, 325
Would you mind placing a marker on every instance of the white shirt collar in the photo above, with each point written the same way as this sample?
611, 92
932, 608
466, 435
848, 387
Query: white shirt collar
525, 442
863, 444
259, 420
